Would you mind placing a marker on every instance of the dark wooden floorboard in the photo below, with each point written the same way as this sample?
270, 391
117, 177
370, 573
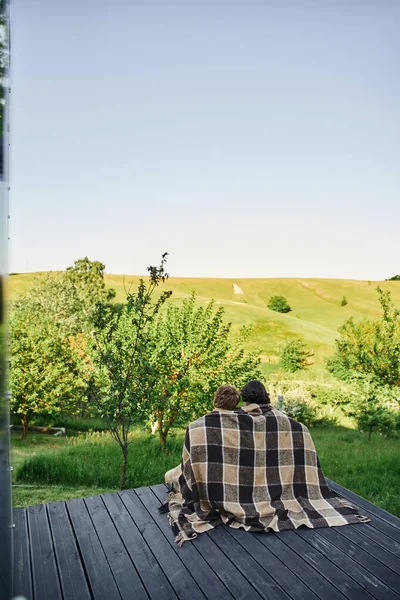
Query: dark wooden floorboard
151, 574
118, 546
299, 566
275, 567
361, 541
380, 538
178, 576
216, 560
366, 579
46, 584
22, 561
98, 572
324, 566
201, 572
122, 568
72, 576
371, 564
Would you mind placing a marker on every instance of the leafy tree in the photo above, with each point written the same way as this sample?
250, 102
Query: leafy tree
279, 304
45, 374
194, 353
87, 277
375, 408
343, 301
295, 356
370, 347
394, 278
121, 352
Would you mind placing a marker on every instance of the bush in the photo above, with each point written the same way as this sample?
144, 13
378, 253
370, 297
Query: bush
295, 356
343, 301
279, 304
300, 411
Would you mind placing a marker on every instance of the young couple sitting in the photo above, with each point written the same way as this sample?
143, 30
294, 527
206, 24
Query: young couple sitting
251, 467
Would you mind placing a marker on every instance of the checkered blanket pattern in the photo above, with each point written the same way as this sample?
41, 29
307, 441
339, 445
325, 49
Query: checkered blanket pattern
253, 468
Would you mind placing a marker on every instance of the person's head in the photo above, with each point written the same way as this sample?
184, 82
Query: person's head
254, 392
226, 397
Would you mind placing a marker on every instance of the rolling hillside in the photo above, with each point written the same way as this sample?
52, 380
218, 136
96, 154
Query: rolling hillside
316, 309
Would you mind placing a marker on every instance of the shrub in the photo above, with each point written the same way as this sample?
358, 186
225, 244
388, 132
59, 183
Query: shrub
300, 411
279, 304
295, 356
343, 301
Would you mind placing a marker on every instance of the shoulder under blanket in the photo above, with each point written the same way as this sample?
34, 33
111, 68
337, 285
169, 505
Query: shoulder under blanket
254, 468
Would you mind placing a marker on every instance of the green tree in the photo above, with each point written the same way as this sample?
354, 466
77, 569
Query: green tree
279, 304
370, 347
343, 301
375, 407
194, 353
45, 373
87, 277
121, 352
295, 356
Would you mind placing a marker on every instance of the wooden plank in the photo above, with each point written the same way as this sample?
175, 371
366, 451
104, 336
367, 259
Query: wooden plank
372, 564
372, 508
179, 578
367, 580
151, 574
72, 577
380, 538
385, 557
300, 567
193, 561
98, 572
22, 561
260, 580
265, 585
337, 577
122, 568
46, 584
235, 581
275, 567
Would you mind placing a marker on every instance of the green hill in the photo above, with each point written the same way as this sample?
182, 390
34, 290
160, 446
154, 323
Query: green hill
316, 307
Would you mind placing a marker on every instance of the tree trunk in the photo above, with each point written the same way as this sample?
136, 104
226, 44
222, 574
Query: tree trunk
24, 421
124, 466
163, 439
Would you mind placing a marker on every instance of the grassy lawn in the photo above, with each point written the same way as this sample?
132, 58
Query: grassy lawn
50, 469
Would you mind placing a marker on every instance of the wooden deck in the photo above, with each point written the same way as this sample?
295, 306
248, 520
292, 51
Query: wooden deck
117, 545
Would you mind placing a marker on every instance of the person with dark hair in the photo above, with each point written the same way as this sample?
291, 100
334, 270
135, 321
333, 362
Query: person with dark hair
254, 468
255, 392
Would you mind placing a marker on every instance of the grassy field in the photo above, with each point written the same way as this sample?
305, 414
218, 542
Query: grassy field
315, 317
49, 469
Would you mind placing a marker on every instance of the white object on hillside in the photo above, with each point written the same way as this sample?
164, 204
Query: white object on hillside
237, 289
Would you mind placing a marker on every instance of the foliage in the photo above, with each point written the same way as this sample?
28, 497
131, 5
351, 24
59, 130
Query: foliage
45, 374
295, 356
121, 352
279, 304
375, 408
87, 278
343, 301
300, 410
194, 353
394, 278
370, 347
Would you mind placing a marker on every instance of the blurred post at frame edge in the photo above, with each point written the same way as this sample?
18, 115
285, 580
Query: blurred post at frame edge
6, 524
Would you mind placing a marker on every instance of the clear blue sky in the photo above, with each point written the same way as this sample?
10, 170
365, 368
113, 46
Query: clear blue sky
247, 139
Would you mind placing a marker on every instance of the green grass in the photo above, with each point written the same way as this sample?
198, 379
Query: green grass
50, 469
315, 318
368, 468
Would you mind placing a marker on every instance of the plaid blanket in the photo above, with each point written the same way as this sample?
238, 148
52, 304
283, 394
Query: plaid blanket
255, 468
